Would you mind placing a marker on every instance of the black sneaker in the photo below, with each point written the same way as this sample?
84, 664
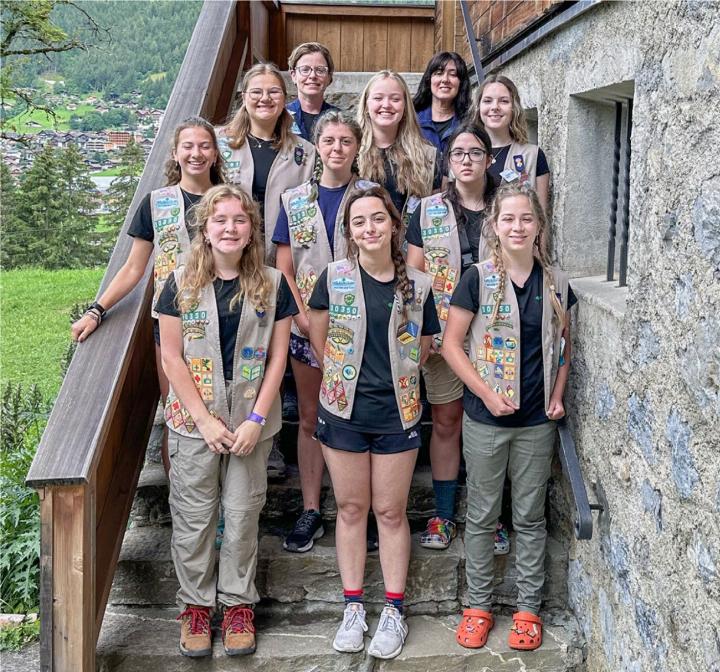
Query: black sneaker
308, 528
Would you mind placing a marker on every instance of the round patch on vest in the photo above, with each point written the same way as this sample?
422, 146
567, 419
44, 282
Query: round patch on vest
349, 372
249, 393
492, 281
511, 343
247, 353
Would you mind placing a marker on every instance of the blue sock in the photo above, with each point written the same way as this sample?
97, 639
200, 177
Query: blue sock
445, 498
353, 596
395, 600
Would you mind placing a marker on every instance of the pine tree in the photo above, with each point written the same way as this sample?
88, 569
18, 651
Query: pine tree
12, 241
122, 188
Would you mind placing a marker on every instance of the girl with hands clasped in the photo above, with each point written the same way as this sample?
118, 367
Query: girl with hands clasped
224, 329
160, 229
515, 307
309, 235
371, 320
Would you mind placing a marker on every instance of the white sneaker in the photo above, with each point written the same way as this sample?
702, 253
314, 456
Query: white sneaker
388, 640
349, 637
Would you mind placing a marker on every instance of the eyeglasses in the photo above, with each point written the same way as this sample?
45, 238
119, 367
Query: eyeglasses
476, 155
257, 94
320, 70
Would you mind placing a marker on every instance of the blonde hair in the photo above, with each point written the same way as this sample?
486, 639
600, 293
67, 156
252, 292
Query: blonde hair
540, 250
311, 48
199, 270
173, 174
518, 123
413, 172
239, 127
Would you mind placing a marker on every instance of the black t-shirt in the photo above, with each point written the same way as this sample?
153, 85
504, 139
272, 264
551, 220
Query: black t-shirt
500, 154
469, 234
229, 319
309, 121
442, 126
375, 409
532, 389
142, 226
263, 155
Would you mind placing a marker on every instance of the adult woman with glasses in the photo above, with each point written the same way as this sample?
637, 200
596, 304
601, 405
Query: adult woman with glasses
442, 98
444, 239
262, 155
311, 69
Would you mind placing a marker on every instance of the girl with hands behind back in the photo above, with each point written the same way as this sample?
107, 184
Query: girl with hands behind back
515, 307
224, 329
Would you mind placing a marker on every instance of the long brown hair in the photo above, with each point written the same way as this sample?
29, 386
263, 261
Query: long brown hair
173, 174
199, 270
413, 171
402, 282
239, 126
518, 123
540, 249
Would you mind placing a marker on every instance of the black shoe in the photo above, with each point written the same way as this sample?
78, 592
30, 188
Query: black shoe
290, 405
308, 528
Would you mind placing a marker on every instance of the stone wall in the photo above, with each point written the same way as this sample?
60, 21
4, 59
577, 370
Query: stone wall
644, 396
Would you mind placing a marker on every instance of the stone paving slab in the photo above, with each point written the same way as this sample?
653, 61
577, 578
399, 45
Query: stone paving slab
138, 640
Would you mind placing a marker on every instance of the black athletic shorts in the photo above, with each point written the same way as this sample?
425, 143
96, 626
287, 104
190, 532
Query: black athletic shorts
352, 441
156, 330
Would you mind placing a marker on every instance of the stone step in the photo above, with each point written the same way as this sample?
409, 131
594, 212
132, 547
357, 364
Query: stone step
310, 582
137, 640
284, 500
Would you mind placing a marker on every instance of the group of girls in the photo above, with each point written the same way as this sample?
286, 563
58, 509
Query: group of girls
265, 243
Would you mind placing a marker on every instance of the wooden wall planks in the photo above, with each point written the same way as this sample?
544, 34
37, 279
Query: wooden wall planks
361, 43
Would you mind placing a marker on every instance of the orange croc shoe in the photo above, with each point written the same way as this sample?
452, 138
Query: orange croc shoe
526, 631
472, 633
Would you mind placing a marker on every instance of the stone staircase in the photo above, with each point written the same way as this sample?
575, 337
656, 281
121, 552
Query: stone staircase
302, 595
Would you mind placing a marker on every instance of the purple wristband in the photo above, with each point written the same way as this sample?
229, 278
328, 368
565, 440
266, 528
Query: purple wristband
256, 417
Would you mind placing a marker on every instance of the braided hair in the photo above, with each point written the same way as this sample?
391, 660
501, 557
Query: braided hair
540, 249
403, 285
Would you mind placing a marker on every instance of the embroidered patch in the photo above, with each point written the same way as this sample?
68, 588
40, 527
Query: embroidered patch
251, 372
165, 263
305, 282
408, 332
194, 324
201, 370
343, 285
349, 372
340, 334
334, 353
492, 281
345, 312
249, 393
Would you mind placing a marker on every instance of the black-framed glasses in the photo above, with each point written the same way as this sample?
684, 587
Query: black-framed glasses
476, 155
320, 70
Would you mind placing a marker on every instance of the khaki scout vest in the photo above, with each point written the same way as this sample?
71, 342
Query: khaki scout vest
523, 160
289, 169
309, 243
346, 343
203, 354
441, 246
495, 348
171, 241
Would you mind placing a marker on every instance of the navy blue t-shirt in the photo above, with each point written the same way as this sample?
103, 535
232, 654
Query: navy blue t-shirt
375, 408
532, 386
329, 200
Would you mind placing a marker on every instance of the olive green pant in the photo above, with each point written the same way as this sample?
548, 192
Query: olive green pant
199, 481
525, 453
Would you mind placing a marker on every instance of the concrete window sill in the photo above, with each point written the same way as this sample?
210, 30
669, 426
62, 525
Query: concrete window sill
597, 291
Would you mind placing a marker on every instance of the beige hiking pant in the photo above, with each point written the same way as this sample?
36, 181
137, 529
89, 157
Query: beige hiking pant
199, 480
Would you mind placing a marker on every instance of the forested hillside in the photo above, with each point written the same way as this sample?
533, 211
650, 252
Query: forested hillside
140, 49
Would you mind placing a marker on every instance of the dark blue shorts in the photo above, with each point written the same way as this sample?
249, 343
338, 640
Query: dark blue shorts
352, 441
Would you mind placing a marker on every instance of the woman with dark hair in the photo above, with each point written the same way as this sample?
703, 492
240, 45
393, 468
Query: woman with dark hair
445, 239
371, 321
443, 97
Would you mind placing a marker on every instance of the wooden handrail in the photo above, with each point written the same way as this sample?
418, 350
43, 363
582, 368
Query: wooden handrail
88, 462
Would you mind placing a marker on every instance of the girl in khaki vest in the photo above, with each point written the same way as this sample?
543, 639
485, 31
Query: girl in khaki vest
309, 235
372, 319
515, 308
263, 156
224, 328
444, 237
497, 107
194, 165
393, 151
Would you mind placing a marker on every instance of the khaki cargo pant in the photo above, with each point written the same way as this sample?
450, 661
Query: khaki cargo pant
526, 453
199, 480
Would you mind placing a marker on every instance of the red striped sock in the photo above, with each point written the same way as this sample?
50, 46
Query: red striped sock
353, 595
395, 600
